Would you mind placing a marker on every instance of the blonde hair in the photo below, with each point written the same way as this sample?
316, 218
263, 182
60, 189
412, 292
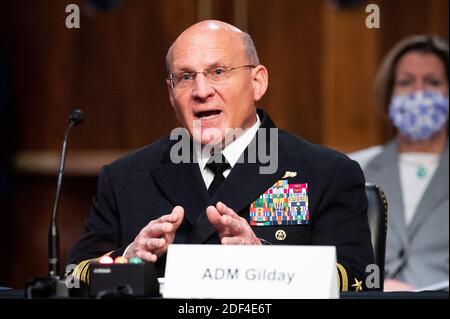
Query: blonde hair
384, 80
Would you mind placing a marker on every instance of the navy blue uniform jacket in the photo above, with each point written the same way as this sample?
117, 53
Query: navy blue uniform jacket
146, 184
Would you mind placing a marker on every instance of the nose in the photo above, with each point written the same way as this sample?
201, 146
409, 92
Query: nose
419, 85
202, 89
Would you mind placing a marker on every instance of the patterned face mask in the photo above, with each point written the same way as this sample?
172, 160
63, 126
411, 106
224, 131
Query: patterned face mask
420, 114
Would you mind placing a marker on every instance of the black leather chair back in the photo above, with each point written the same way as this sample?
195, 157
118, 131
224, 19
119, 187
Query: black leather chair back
377, 216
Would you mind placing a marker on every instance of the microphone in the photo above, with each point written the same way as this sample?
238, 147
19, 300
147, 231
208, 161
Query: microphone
76, 117
51, 286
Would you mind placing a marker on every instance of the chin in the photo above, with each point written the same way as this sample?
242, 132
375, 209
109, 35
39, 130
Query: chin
211, 136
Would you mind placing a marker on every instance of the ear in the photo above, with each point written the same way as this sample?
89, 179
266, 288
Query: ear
260, 82
170, 89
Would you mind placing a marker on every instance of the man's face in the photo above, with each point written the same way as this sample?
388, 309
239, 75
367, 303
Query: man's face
213, 106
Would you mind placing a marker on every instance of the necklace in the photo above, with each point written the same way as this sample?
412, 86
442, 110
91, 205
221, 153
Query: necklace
421, 169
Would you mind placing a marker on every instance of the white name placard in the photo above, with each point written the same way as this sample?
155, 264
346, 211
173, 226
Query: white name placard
260, 272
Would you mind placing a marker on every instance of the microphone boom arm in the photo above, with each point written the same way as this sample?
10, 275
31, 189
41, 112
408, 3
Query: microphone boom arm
53, 233
75, 118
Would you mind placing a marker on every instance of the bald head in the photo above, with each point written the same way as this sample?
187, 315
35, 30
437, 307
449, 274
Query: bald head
231, 80
239, 39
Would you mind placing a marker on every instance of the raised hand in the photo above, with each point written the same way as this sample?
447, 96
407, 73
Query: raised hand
153, 240
232, 229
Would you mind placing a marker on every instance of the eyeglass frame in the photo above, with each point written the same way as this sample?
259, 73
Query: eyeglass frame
206, 73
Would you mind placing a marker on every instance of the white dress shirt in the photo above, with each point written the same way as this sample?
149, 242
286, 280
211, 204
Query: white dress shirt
232, 152
414, 185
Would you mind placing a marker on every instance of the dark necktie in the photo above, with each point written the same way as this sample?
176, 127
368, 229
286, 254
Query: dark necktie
217, 169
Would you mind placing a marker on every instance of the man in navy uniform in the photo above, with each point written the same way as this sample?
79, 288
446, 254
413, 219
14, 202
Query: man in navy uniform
147, 200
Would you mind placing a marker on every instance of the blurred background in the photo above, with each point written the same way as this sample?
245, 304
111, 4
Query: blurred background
321, 59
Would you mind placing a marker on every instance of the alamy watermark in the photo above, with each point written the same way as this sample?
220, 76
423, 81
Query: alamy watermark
373, 19
73, 18
373, 279
263, 149
72, 281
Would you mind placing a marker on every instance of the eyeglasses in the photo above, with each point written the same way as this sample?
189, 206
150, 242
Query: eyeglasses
215, 75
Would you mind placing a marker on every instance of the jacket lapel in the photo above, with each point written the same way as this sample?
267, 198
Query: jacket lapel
383, 170
242, 186
183, 185
433, 196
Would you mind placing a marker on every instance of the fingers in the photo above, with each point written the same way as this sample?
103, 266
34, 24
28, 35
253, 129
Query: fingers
225, 210
146, 255
145, 248
177, 216
233, 241
154, 238
230, 227
149, 244
235, 226
251, 239
158, 229
213, 216
165, 224
158, 246
234, 230
154, 243
222, 216
169, 218
230, 219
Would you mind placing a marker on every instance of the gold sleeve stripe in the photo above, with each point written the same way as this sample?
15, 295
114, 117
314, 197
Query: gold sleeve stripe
82, 269
95, 260
79, 269
344, 277
338, 280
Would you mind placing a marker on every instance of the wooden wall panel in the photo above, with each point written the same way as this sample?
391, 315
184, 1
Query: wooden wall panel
349, 62
321, 64
287, 36
38, 52
28, 222
438, 17
112, 68
351, 55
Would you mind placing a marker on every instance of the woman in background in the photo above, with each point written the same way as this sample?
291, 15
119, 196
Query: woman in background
413, 168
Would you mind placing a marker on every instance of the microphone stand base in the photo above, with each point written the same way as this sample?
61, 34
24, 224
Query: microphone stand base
46, 287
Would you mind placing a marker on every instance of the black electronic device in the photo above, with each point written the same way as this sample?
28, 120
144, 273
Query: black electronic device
123, 280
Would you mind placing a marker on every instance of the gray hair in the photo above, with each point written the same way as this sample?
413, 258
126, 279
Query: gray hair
249, 47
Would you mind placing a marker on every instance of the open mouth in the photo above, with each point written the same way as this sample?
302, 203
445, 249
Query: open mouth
208, 115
